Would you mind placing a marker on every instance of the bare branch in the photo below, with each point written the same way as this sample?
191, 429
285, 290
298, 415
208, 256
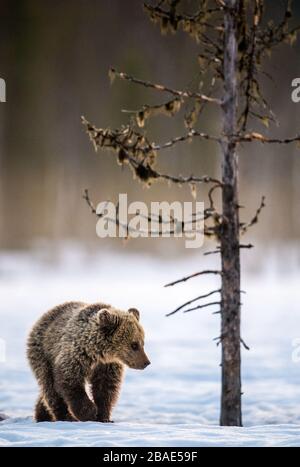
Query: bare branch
86, 197
184, 279
187, 137
201, 306
244, 344
214, 252
193, 300
254, 136
162, 88
191, 179
219, 339
244, 227
218, 250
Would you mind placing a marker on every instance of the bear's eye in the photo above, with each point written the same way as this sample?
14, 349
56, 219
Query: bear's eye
135, 346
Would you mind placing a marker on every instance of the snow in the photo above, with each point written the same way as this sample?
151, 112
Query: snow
175, 401
24, 432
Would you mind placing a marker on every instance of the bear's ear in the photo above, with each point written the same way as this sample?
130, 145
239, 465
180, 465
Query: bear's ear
108, 320
135, 312
103, 316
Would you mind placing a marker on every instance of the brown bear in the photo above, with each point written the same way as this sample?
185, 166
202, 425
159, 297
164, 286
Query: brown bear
75, 344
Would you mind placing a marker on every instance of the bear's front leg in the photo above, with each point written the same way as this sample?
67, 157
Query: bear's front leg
73, 393
106, 381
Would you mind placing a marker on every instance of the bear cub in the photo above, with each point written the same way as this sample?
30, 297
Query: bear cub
75, 344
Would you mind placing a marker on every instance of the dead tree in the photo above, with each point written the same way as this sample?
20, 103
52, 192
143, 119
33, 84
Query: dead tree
234, 37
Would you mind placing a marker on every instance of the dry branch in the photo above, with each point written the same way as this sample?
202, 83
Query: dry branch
133, 148
244, 227
192, 133
193, 300
244, 344
201, 306
254, 136
160, 87
201, 273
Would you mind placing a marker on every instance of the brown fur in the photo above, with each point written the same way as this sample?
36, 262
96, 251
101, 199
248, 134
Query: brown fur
74, 344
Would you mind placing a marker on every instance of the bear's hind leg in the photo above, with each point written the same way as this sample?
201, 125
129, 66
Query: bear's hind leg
55, 403
41, 413
106, 381
57, 406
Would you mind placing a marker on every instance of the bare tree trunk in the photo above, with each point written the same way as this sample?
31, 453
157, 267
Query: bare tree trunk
230, 326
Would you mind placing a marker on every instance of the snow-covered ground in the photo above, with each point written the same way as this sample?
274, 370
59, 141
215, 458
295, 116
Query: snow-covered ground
174, 402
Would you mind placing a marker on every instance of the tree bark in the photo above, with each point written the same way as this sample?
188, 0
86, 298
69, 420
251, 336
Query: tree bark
230, 318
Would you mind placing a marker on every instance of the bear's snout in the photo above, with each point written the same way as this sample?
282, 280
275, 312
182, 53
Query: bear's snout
146, 363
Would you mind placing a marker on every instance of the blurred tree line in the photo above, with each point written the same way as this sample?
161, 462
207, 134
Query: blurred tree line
54, 56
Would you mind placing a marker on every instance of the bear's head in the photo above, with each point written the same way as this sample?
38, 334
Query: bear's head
124, 337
